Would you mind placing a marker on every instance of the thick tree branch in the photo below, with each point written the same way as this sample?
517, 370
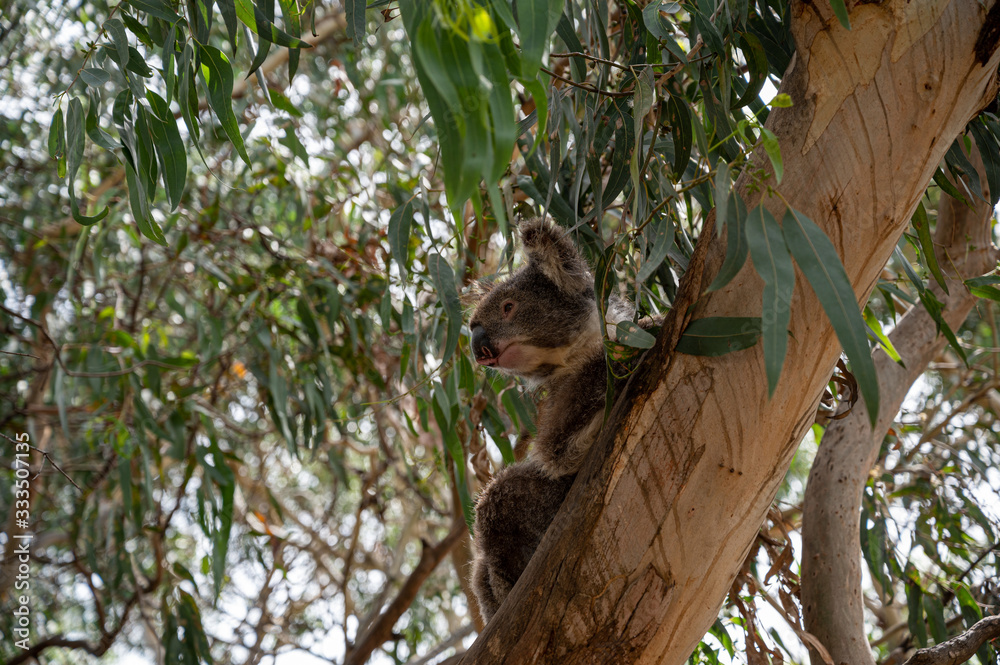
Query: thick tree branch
831, 551
660, 518
381, 629
960, 648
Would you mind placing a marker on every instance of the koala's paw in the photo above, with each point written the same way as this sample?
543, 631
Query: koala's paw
512, 514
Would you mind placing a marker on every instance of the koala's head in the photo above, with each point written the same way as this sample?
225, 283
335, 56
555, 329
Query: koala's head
543, 319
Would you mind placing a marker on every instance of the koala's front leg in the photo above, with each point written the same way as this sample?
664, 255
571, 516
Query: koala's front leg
570, 418
512, 514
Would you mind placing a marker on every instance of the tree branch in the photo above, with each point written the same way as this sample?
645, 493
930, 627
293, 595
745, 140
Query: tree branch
960, 648
831, 551
658, 522
381, 629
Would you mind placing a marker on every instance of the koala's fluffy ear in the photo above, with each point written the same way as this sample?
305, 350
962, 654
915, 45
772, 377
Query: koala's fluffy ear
477, 291
551, 250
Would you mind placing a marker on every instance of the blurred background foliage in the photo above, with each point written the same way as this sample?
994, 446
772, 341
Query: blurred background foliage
232, 271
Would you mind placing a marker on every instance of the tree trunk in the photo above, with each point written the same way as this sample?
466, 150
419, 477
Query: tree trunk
831, 551
665, 509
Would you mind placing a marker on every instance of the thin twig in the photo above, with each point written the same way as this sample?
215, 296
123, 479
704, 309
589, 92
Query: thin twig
584, 86
23, 355
577, 54
45, 455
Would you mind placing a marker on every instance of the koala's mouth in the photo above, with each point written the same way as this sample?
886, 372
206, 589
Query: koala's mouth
488, 359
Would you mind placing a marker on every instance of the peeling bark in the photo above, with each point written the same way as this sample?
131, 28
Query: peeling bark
662, 514
831, 552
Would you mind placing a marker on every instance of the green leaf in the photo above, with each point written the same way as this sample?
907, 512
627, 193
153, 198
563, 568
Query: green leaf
840, 10
873, 546
135, 181
477, 158
773, 152
536, 29
224, 515
970, 608
642, 102
971, 614
630, 334
914, 278
915, 615
956, 160
228, 10
709, 33
444, 281
988, 150
774, 265
169, 147
399, 235
722, 185
145, 152
74, 158
59, 388
283, 103
923, 228
657, 25
187, 96
682, 133
443, 99
941, 180
57, 135
355, 11
167, 60
782, 101
502, 123
659, 235
756, 59
935, 618
156, 8
137, 65
675, 49
568, 34
218, 76
140, 211
252, 16
876, 328
818, 260
115, 29
984, 287
935, 308
541, 100
718, 335
736, 242
94, 77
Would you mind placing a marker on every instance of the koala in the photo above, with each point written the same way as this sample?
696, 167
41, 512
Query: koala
541, 323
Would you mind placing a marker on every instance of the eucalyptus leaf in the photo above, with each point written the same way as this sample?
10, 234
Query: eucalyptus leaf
444, 281
818, 260
774, 265
719, 335
217, 74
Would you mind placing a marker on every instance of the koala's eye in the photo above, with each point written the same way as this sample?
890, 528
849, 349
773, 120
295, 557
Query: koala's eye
507, 308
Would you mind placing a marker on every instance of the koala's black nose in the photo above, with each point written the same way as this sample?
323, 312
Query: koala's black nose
481, 347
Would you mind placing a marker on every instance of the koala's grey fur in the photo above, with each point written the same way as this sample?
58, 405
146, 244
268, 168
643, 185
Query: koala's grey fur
512, 514
551, 336
541, 323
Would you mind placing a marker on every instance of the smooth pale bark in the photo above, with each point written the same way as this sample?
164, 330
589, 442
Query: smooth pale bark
831, 550
640, 558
